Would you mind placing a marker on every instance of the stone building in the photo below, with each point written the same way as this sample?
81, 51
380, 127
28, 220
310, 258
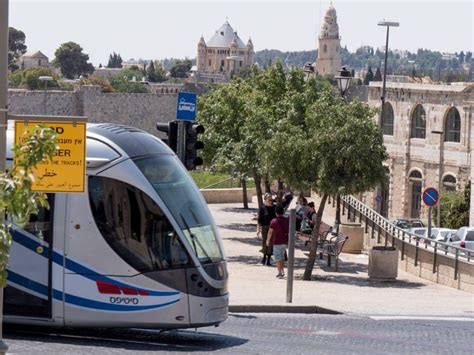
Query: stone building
32, 60
329, 48
224, 53
429, 135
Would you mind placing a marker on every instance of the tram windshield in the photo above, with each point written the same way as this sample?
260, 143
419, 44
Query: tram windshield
179, 193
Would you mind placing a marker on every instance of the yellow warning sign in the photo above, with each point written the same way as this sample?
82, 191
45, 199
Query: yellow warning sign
67, 170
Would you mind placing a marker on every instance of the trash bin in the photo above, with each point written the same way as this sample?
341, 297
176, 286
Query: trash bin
355, 243
383, 263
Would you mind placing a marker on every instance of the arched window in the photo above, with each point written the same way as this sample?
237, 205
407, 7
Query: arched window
452, 126
387, 119
418, 122
449, 183
416, 186
325, 48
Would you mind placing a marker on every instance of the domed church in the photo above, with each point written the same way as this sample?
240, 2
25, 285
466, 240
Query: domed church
224, 53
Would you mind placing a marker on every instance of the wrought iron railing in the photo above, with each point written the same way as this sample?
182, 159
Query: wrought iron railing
391, 233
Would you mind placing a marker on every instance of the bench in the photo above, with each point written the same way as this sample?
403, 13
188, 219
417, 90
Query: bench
332, 247
324, 229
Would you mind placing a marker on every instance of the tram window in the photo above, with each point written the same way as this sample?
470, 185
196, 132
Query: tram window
134, 226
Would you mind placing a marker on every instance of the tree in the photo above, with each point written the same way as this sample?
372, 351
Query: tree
129, 81
71, 60
16, 46
97, 80
155, 72
115, 61
369, 76
455, 207
29, 78
378, 75
16, 196
181, 68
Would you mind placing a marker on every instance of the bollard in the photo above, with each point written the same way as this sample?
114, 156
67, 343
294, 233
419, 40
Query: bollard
291, 256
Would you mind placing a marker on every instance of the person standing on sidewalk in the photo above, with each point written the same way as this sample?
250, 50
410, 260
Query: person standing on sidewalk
265, 216
278, 237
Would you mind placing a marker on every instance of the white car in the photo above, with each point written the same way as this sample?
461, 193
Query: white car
420, 232
464, 238
441, 234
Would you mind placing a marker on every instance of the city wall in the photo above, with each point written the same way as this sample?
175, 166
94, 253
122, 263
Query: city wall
137, 110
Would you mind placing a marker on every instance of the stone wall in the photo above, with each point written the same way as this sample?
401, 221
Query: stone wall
137, 110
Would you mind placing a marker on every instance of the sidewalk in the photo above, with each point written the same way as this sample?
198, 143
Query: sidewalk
347, 291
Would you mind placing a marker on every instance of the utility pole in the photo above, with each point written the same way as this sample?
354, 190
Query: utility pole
3, 123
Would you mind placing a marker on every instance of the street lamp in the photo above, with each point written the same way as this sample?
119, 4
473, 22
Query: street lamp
45, 78
440, 171
387, 24
343, 81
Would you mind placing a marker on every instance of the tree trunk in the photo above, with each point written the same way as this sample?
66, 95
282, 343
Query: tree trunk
338, 212
258, 186
268, 188
280, 192
243, 180
314, 239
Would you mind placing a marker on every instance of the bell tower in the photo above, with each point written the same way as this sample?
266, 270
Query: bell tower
329, 50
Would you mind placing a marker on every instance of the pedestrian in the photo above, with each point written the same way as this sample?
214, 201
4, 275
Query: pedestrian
278, 237
301, 211
265, 216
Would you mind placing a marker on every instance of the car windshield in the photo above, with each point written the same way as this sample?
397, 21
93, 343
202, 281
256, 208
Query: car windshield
182, 197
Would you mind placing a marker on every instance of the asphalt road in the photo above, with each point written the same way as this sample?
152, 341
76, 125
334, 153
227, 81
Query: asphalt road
262, 333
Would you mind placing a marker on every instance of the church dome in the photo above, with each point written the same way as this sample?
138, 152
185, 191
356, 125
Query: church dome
224, 37
331, 12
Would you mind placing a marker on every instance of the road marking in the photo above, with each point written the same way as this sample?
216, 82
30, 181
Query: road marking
440, 318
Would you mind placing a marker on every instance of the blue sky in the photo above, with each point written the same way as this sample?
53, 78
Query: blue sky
158, 29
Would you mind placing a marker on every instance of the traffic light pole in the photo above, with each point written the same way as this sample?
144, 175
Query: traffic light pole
181, 141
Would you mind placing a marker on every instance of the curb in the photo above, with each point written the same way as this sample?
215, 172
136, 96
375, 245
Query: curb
281, 309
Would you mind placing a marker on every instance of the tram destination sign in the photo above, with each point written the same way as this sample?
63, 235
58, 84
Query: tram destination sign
67, 170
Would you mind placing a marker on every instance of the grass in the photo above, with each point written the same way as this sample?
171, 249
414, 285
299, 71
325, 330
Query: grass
223, 181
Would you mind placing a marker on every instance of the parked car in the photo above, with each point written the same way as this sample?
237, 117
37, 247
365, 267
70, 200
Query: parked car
464, 238
406, 223
441, 234
421, 232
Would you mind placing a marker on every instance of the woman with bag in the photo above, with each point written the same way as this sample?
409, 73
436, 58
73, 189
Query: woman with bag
265, 216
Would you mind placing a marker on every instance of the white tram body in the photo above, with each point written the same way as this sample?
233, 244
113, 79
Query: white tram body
138, 248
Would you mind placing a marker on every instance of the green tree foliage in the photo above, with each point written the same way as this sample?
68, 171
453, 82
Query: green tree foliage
181, 68
16, 46
455, 207
378, 75
29, 78
115, 61
369, 76
96, 80
155, 72
72, 61
129, 81
17, 199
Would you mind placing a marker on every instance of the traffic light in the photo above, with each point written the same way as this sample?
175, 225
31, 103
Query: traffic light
171, 130
191, 160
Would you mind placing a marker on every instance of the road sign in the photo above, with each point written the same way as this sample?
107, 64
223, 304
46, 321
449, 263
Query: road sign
67, 170
430, 196
186, 106
378, 198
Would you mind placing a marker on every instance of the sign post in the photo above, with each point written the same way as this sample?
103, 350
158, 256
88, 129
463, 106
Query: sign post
430, 199
291, 256
185, 111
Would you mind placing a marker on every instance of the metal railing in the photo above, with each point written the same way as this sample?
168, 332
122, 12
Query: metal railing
383, 226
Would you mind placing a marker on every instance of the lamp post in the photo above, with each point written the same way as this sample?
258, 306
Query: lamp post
387, 24
440, 172
343, 82
45, 79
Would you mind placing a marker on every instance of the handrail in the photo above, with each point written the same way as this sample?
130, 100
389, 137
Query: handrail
438, 248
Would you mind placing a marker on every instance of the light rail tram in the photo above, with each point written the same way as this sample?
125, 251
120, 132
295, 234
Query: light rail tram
138, 248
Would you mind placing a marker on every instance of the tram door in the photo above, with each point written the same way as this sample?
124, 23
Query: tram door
29, 290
